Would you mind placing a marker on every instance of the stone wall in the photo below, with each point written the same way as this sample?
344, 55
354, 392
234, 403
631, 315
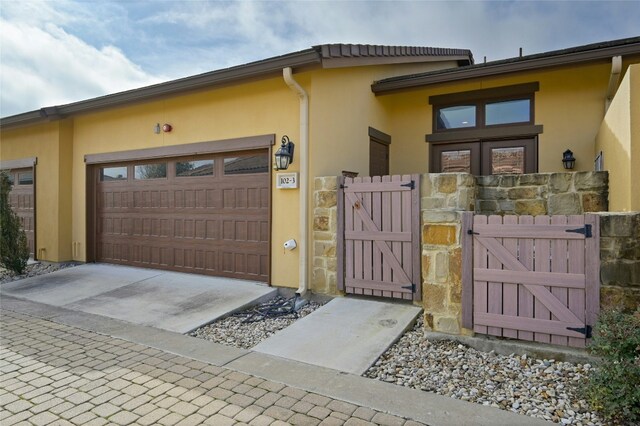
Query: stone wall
444, 198
620, 260
542, 193
325, 230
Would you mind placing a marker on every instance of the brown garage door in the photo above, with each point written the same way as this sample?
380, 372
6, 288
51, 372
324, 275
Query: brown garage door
207, 214
22, 200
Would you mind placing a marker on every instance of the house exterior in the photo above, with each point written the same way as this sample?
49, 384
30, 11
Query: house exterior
180, 175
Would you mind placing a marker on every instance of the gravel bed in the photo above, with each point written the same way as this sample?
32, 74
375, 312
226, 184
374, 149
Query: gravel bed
39, 268
233, 331
539, 388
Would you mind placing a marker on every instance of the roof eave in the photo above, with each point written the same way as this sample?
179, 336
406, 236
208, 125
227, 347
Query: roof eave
410, 82
261, 69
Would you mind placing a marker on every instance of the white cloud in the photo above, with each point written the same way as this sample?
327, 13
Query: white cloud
43, 65
53, 52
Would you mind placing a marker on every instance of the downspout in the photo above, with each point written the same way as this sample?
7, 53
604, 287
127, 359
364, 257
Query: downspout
616, 68
303, 151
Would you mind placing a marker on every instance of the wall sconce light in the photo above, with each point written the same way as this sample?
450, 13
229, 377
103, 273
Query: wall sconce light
167, 128
156, 129
284, 155
568, 160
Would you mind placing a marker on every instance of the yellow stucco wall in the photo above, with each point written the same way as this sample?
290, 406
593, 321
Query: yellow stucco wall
569, 105
43, 142
619, 140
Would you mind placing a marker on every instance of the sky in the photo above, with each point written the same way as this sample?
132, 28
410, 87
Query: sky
54, 52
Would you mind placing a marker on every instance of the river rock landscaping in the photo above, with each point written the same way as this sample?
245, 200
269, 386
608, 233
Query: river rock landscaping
244, 331
32, 270
540, 388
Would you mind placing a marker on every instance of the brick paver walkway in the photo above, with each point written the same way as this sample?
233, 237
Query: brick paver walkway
53, 374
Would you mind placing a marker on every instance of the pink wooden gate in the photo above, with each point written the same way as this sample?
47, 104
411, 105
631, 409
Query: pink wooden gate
378, 236
533, 278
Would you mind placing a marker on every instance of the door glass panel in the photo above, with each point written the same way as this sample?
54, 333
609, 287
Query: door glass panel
456, 161
456, 117
194, 168
151, 171
507, 160
25, 178
108, 174
505, 112
257, 163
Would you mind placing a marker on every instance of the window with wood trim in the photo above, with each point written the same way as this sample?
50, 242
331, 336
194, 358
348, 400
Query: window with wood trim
487, 131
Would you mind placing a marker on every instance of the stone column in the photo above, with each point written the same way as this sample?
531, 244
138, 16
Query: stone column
325, 230
444, 198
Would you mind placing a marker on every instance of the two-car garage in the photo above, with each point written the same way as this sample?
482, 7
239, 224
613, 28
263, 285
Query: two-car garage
205, 211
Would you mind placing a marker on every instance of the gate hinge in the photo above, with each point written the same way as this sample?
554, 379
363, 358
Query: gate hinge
585, 230
411, 287
472, 232
411, 184
586, 330
343, 186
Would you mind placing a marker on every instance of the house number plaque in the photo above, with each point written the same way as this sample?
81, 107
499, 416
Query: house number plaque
286, 180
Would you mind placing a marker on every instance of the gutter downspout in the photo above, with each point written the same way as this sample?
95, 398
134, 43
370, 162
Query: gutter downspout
616, 68
303, 151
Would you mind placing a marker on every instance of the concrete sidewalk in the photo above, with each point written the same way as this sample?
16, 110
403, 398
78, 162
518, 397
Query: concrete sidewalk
66, 367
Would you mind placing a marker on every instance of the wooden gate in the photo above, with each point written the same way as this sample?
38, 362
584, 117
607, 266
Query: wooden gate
378, 236
533, 278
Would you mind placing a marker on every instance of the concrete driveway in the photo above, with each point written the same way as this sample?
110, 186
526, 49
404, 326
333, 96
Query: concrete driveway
167, 300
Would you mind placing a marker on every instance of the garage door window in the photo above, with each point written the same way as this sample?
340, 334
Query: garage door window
25, 178
110, 174
194, 168
256, 163
151, 171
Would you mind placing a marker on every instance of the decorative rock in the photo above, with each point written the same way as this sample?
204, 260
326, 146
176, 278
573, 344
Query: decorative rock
514, 383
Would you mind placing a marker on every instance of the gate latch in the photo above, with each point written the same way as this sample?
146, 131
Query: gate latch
586, 330
411, 287
585, 230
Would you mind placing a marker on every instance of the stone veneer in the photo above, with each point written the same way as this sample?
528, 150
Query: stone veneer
543, 193
444, 198
620, 260
325, 231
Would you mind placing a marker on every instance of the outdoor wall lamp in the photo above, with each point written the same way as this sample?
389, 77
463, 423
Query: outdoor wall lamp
156, 129
167, 128
568, 160
284, 155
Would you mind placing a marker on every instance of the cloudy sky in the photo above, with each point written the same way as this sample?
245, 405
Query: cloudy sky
59, 51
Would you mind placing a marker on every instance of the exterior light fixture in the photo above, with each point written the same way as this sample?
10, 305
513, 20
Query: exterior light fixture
284, 155
568, 160
167, 128
156, 129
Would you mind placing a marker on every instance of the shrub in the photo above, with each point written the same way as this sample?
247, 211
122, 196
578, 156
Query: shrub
613, 389
14, 250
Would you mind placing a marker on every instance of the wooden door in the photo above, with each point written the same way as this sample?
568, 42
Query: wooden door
535, 278
379, 236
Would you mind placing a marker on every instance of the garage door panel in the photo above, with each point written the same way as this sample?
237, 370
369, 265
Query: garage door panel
211, 224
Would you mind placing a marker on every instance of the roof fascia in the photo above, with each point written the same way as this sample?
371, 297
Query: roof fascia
331, 63
261, 69
481, 70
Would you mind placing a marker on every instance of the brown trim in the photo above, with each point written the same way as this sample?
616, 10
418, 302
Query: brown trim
379, 136
485, 133
579, 55
227, 145
21, 163
485, 94
90, 235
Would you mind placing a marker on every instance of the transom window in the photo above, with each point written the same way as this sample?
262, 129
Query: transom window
486, 131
